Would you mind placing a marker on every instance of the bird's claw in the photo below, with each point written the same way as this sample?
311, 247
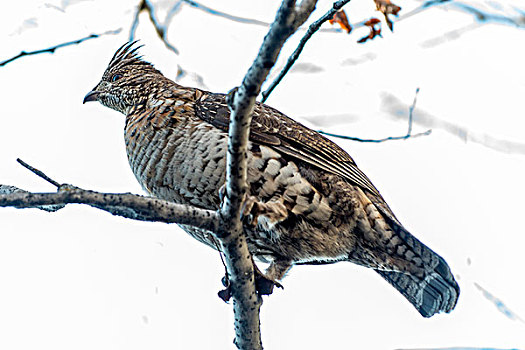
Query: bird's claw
263, 285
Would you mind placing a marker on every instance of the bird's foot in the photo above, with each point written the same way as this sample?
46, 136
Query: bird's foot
264, 285
253, 209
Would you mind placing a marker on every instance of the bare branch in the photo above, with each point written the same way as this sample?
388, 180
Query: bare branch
314, 27
214, 12
7, 190
128, 205
240, 265
161, 30
390, 138
485, 17
245, 20
499, 304
171, 13
52, 49
515, 20
411, 112
480, 15
38, 173
396, 109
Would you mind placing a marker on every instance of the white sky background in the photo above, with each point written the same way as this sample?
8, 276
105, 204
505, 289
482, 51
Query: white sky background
83, 279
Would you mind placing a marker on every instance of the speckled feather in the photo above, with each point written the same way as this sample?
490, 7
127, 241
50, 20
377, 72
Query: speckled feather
315, 205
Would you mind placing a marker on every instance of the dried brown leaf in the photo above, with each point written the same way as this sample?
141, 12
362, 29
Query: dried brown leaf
341, 19
386, 7
375, 30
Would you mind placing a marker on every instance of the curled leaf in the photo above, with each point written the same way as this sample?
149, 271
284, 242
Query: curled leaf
375, 30
386, 7
341, 19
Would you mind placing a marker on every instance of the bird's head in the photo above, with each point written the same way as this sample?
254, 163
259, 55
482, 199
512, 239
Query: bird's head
126, 82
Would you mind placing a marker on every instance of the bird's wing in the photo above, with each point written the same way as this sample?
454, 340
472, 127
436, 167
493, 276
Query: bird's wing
273, 128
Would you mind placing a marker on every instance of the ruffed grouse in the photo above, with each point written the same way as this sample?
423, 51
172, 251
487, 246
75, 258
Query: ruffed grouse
176, 141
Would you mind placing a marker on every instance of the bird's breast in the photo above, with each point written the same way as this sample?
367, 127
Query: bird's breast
182, 161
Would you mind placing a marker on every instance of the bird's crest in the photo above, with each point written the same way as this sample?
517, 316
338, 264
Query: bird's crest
128, 54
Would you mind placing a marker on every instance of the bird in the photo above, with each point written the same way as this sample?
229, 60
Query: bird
309, 202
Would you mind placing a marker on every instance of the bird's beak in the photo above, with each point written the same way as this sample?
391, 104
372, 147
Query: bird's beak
91, 96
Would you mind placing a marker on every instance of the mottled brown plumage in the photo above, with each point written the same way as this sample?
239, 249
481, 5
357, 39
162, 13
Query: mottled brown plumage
313, 205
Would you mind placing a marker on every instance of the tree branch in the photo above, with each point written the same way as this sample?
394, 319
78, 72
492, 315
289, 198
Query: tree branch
396, 109
390, 138
161, 30
214, 12
131, 206
314, 27
246, 302
127, 205
238, 19
52, 49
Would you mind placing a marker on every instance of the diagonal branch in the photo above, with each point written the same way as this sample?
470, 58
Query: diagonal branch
244, 20
516, 19
161, 30
314, 27
218, 13
52, 49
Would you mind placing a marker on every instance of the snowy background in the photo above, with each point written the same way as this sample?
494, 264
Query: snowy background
83, 279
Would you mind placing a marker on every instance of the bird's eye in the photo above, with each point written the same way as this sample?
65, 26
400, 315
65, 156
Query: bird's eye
116, 77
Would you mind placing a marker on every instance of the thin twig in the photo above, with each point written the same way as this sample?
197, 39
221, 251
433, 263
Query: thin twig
480, 15
52, 49
411, 112
390, 138
214, 12
295, 55
38, 173
393, 106
161, 30
245, 20
171, 13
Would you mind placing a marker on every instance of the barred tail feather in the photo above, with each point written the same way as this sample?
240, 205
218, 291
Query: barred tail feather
436, 291
430, 295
